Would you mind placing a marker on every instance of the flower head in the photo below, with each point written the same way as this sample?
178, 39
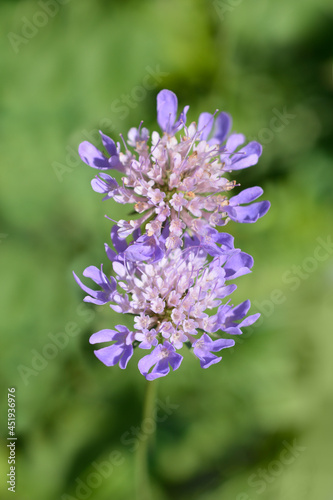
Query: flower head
180, 179
170, 300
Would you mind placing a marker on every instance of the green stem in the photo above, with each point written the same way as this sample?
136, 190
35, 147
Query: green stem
148, 422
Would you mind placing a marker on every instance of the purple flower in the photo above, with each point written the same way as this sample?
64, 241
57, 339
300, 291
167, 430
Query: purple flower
120, 351
227, 318
137, 135
243, 158
170, 298
94, 158
105, 184
249, 213
146, 248
204, 347
97, 297
172, 267
213, 242
162, 357
179, 180
147, 338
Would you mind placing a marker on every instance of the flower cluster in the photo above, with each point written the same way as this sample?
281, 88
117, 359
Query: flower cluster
177, 266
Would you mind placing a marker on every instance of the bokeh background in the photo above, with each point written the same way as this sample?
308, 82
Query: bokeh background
258, 425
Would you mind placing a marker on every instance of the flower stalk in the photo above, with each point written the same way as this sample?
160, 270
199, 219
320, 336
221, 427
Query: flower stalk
143, 487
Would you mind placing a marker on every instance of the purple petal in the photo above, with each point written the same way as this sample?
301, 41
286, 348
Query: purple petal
181, 121
109, 144
242, 162
110, 253
99, 277
239, 311
127, 354
110, 355
219, 344
161, 369
115, 163
106, 184
167, 104
119, 243
98, 302
191, 241
250, 320
225, 240
221, 129
165, 233
148, 361
145, 248
252, 148
221, 316
119, 269
232, 330
205, 124
97, 297
211, 248
208, 359
136, 233
94, 274
139, 252
124, 229
86, 289
248, 214
175, 360
237, 265
245, 157
98, 185
123, 329
102, 336
233, 142
246, 196
93, 157
227, 290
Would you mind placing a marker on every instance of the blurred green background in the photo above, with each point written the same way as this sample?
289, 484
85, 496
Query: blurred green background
260, 423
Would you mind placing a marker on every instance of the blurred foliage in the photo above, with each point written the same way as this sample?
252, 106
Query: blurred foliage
254, 59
